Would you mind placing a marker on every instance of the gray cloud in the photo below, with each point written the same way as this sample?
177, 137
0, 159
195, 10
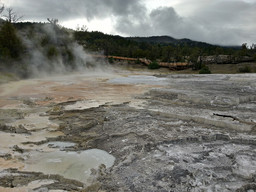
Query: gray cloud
227, 22
161, 21
66, 9
218, 22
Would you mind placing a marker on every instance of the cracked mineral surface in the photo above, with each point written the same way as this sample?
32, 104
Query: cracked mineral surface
129, 131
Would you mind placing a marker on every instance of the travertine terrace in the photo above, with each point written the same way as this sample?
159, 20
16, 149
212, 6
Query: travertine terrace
129, 131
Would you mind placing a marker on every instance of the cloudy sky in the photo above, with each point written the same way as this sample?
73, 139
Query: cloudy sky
225, 22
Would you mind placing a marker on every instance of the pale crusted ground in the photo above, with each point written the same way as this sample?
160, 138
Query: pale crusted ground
166, 132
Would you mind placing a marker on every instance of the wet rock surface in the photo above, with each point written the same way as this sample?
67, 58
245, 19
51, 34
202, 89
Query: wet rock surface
14, 178
191, 133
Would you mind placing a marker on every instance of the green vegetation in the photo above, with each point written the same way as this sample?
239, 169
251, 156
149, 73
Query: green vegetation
41, 46
52, 52
69, 55
10, 44
46, 44
197, 65
153, 65
138, 61
111, 60
205, 70
245, 69
163, 48
45, 40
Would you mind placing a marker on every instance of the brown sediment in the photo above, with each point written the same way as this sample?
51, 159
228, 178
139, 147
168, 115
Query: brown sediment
45, 92
11, 163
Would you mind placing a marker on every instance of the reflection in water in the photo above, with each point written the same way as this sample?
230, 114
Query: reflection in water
140, 79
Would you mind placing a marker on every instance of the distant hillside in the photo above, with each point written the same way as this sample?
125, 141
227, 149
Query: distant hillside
47, 46
169, 40
163, 48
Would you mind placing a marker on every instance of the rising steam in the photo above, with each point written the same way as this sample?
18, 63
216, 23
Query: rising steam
51, 49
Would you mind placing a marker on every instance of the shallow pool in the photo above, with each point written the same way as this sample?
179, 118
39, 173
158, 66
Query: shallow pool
71, 165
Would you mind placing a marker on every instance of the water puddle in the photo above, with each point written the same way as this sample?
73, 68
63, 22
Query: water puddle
141, 79
34, 122
61, 145
81, 105
9, 140
71, 165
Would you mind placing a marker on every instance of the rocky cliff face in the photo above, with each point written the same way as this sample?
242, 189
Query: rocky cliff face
223, 59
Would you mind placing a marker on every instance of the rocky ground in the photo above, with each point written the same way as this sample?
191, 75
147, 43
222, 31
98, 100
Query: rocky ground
154, 132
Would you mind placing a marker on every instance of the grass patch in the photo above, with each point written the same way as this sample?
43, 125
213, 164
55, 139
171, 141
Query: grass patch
245, 69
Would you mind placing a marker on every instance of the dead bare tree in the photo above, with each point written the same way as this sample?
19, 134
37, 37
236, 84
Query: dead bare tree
11, 16
53, 21
84, 28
